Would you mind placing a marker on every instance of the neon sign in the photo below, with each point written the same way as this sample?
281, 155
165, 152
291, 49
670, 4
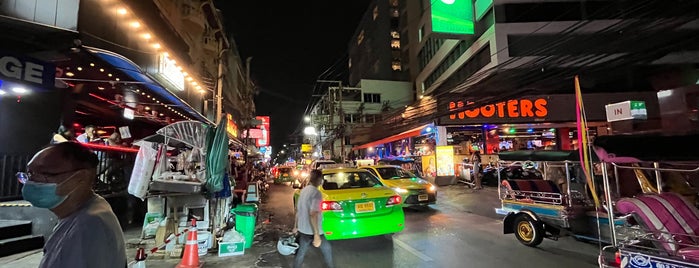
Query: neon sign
536, 108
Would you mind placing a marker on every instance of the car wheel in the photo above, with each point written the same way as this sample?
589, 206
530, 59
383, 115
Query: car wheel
528, 231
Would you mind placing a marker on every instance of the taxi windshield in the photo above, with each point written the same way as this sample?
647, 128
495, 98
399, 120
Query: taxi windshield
285, 170
389, 173
349, 180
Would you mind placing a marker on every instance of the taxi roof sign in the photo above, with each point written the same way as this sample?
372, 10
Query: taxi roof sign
327, 166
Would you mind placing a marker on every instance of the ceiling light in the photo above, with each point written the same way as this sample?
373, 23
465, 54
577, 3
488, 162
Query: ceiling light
143, 93
161, 114
19, 90
117, 78
148, 96
101, 70
92, 64
100, 88
153, 98
185, 73
194, 83
121, 11
146, 36
70, 74
147, 108
80, 68
166, 54
190, 78
156, 46
198, 87
138, 90
110, 75
157, 101
135, 24
201, 91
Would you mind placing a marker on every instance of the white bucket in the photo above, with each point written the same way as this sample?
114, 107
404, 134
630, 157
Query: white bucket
203, 242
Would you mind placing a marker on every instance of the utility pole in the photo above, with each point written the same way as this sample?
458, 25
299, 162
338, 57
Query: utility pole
341, 113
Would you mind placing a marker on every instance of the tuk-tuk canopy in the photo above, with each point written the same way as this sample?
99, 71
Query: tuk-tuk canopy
647, 148
551, 156
396, 161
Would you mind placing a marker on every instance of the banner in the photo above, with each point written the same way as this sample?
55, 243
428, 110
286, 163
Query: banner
264, 129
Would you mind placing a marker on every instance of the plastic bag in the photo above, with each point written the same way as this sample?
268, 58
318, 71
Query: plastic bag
142, 170
232, 236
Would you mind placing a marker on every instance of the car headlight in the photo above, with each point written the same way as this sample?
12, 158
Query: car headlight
431, 188
400, 190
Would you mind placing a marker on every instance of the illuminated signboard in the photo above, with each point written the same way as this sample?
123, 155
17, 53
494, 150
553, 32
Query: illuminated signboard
445, 160
264, 128
306, 148
231, 128
534, 108
452, 16
169, 70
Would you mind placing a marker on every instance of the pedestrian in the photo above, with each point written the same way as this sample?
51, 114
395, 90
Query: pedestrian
60, 178
309, 221
63, 134
476, 160
90, 135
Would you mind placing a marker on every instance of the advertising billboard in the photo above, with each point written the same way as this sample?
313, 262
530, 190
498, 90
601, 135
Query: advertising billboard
452, 16
445, 160
264, 131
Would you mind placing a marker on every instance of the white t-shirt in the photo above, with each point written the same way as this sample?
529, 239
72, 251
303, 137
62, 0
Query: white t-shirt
90, 237
309, 200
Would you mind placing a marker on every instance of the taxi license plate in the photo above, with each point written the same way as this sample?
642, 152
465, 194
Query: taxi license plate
422, 197
364, 207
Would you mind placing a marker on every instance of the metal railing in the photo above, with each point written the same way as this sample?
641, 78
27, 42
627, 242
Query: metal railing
533, 197
113, 172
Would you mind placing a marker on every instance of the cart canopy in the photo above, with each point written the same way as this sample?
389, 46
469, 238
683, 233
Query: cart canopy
551, 156
647, 148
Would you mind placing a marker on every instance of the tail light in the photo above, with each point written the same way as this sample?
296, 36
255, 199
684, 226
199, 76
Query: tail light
610, 257
330, 206
393, 200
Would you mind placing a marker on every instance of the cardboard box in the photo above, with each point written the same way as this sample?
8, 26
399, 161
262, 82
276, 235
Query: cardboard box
231, 249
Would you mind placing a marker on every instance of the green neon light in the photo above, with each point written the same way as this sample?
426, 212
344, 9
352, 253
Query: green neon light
452, 16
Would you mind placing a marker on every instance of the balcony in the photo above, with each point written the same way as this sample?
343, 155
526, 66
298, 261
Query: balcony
192, 16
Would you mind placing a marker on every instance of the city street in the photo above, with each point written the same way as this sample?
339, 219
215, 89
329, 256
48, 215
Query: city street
461, 230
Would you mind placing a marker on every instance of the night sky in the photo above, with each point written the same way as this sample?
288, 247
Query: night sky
292, 43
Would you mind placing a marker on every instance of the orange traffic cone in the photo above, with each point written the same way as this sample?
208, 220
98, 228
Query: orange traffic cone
190, 258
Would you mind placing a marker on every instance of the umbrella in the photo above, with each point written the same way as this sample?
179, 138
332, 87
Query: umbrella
216, 156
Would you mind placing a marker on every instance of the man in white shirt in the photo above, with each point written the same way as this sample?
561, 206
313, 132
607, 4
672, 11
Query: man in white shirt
309, 221
88, 136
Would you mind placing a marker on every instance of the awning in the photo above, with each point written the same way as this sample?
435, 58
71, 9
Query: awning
132, 70
407, 134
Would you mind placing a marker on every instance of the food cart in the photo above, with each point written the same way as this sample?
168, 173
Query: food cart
174, 173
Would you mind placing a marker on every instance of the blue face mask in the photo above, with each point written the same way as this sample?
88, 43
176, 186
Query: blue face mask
43, 195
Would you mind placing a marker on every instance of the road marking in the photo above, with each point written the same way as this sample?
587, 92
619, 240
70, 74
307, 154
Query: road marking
412, 250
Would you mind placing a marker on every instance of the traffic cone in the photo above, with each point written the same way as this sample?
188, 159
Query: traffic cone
190, 257
140, 259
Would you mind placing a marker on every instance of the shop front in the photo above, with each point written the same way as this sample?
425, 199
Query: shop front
530, 122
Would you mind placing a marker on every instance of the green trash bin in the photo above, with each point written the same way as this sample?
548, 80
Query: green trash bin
245, 219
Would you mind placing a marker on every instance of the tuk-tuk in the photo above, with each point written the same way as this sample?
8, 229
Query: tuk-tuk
544, 194
406, 163
662, 214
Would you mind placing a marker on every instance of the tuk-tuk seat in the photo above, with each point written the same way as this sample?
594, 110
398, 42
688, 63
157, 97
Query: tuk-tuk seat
528, 189
673, 221
545, 186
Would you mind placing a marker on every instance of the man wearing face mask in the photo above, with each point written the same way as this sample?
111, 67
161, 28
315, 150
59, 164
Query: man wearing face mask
60, 178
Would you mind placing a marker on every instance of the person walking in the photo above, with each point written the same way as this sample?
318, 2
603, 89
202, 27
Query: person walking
309, 221
60, 178
476, 160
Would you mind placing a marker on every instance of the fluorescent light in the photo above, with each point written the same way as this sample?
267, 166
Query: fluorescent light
19, 90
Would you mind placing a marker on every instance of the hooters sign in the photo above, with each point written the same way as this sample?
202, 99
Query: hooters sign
534, 109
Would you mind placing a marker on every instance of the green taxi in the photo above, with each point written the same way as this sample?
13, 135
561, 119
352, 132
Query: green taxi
414, 190
356, 204
284, 174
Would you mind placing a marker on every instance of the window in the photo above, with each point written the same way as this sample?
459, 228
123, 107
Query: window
420, 33
351, 95
376, 12
395, 43
396, 66
395, 35
373, 172
370, 118
348, 180
360, 37
372, 98
394, 173
348, 140
353, 118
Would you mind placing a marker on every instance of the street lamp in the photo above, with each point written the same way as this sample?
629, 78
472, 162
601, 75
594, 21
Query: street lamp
307, 119
310, 131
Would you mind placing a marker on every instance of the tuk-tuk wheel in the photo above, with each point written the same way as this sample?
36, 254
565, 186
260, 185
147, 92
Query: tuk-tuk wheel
528, 231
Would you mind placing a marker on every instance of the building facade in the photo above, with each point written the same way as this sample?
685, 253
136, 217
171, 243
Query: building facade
375, 50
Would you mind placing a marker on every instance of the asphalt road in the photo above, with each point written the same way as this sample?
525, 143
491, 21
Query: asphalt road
461, 230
